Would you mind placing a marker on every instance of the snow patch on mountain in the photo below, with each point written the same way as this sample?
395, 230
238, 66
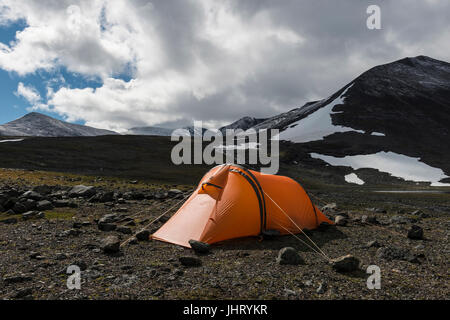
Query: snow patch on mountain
317, 125
11, 140
397, 165
353, 178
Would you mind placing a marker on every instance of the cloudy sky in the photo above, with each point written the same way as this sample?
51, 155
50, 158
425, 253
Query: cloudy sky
117, 64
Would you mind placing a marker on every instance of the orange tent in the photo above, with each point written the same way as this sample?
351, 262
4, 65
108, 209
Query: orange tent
234, 202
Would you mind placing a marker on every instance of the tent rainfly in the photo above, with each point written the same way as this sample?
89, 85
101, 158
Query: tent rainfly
233, 202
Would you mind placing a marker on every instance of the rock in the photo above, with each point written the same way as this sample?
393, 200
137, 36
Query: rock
369, 219
71, 232
322, 288
44, 205
189, 261
64, 204
102, 197
43, 189
143, 235
124, 230
61, 256
289, 292
373, 244
32, 195
377, 210
415, 233
174, 192
107, 227
111, 244
23, 293
82, 191
19, 208
340, 220
30, 214
199, 246
289, 256
109, 218
16, 278
330, 206
2, 209
346, 263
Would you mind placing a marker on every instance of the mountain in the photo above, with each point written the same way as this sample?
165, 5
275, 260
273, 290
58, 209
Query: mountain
39, 125
243, 123
394, 118
149, 131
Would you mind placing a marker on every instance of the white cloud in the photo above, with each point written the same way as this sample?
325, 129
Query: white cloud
200, 59
29, 93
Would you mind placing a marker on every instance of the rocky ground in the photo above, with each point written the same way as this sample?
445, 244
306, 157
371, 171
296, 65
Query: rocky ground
52, 221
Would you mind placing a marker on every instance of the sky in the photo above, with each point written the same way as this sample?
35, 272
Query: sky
118, 64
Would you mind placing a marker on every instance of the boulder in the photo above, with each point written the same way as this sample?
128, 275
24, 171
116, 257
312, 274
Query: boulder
30, 214
340, 220
346, 263
111, 244
64, 204
199, 247
369, 219
143, 235
44, 205
19, 208
106, 226
82, 191
330, 206
190, 261
289, 256
415, 233
33, 195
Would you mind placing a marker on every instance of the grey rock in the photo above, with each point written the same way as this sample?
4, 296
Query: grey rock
82, 191
111, 244
330, 206
199, 246
23, 293
373, 244
340, 220
32, 195
143, 235
19, 208
64, 204
107, 227
16, 278
190, 261
30, 214
369, 219
289, 256
44, 205
415, 233
346, 263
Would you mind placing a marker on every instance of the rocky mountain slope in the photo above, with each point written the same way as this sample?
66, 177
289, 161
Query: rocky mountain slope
149, 131
400, 108
39, 125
